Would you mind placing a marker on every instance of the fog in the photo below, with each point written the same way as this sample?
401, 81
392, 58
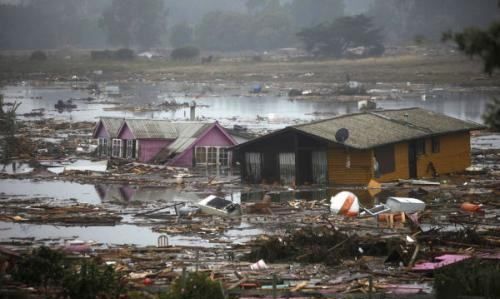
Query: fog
222, 25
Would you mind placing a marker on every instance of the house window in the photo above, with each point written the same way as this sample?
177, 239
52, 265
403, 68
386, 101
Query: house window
212, 155
436, 145
103, 146
420, 147
131, 149
223, 156
201, 155
116, 150
385, 158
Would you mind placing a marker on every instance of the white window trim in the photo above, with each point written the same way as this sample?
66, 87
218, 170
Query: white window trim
217, 155
120, 151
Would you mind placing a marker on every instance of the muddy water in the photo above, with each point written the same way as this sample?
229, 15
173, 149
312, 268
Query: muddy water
51, 189
277, 110
92, 194
119, 234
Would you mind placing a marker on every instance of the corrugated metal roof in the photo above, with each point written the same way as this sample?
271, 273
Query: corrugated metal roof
112, 125
148, 129
187, 134
371, 129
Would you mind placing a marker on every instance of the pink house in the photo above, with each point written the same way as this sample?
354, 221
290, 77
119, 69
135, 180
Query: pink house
177, 144
105, 131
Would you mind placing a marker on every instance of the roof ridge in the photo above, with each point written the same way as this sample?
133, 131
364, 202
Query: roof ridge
352, 114
401, 122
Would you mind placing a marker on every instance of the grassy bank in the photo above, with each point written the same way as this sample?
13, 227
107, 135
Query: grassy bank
440, 70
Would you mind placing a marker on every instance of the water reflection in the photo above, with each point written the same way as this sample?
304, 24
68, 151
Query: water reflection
86, 193
130, 194
119, 234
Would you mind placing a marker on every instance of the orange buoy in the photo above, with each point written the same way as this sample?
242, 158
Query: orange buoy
345, 203
470, 207
147, 281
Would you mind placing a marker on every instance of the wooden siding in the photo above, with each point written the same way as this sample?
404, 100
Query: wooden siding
453, 156
401, 164
360, 172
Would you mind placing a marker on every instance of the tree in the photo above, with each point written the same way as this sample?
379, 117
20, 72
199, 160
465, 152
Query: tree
491, 116
91, 280
225, 31
403, 20
308, 13
483, 43
333, 39
135, 22
185, 53
196, 285
8, 129
272, 29
181, 35
43, 267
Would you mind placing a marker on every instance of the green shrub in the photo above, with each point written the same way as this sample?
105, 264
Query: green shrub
185, 53
197, 285
38, 56
121, 54
43, 267
469, 278
91, 280
50, 269
124, 54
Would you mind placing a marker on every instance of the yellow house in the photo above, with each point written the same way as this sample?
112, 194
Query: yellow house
384, 145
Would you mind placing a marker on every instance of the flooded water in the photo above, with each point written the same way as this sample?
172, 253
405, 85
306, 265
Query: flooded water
93, 194
52, 189
119, 234
276, 110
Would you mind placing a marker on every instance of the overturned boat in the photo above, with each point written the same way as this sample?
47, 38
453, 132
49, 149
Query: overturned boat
218, 206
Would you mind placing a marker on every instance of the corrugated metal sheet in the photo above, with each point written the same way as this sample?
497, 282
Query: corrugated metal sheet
187, 134
149, 129
287, 168
112, 125
371, 129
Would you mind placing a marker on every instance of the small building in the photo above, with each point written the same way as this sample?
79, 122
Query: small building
384, 145
183, 144
105, 131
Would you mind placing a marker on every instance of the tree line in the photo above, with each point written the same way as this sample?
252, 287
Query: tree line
246, 24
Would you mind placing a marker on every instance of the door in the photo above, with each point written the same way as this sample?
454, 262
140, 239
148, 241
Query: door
253, 166
319, 167
305, 168
287, 168
412, 159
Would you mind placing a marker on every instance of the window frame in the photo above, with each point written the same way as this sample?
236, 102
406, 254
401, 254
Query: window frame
385, 156
420, 147
435, 145
212, 155
117, 148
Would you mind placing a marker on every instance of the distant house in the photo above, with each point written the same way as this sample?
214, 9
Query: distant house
105, 131
382, 145
173, 143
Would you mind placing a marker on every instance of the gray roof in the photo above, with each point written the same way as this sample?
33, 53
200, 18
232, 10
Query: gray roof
111, 124
371, 129
188, 133
152, 129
